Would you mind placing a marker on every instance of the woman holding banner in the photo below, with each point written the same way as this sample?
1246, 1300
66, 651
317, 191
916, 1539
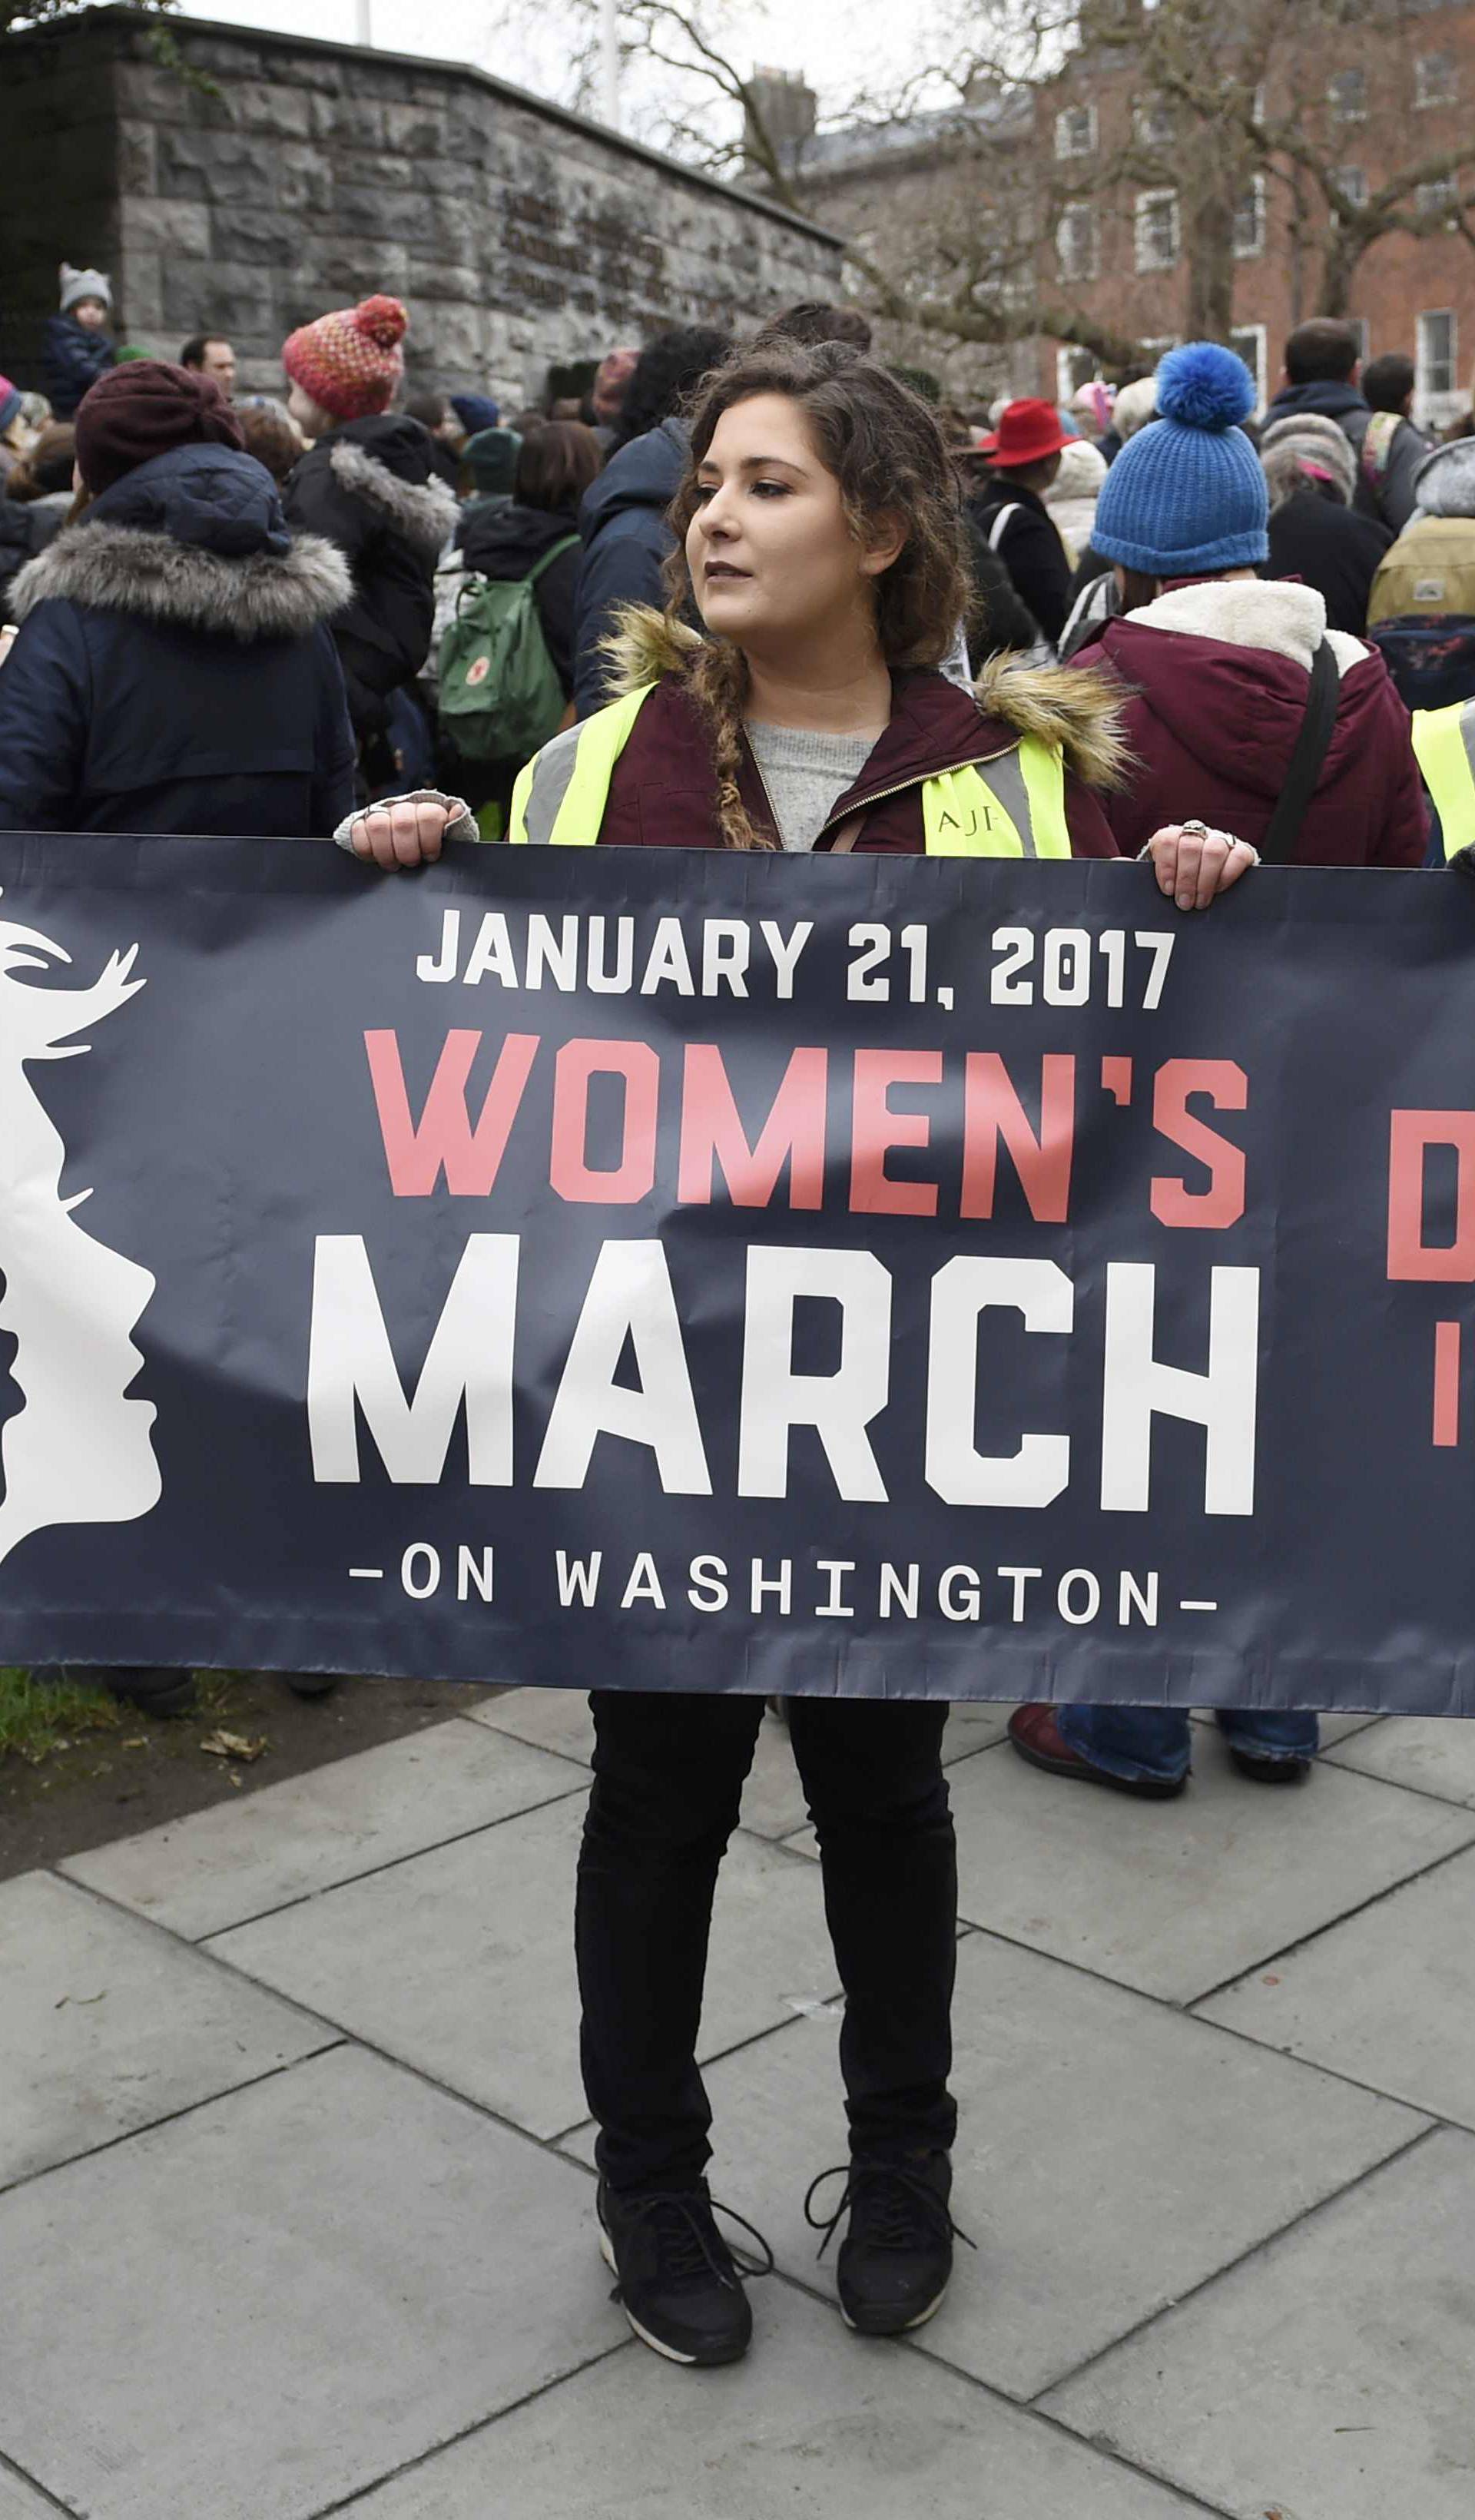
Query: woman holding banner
818, 541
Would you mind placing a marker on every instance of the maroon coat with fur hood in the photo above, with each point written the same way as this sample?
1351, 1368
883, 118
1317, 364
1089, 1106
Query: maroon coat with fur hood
662, 791
1215, 679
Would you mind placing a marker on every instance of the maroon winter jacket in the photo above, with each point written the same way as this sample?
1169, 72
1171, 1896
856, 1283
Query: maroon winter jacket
662, 795
1213, 725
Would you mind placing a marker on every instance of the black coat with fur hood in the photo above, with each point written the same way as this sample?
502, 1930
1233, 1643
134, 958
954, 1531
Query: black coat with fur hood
371, 487
175, 669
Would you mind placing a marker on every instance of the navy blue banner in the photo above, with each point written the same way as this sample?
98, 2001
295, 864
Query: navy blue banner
619, 1268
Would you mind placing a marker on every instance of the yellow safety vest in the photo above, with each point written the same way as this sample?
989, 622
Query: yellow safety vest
1018, 811
1443, 744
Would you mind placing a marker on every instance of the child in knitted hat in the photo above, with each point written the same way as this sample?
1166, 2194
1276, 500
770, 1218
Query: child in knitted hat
346, 365
79, 347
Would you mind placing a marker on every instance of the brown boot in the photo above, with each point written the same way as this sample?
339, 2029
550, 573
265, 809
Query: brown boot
1038, 1737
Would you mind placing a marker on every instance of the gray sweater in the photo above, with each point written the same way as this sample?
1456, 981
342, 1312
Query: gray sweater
806, 774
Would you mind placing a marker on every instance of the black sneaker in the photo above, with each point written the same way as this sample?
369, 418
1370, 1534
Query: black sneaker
310, 1683
1270, 1772
896, 2259
152, 1690
679, 2283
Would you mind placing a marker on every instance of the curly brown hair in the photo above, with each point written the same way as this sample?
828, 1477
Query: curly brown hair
884, 448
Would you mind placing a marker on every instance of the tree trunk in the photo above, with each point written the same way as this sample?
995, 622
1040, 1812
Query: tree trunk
1339, 261
1210, 312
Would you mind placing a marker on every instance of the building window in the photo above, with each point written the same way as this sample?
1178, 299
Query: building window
1434, 80
1154, 123
1347, 96
1076, 244
1257, 104
1156, 231
1249, 221
1073, 369
1249, 340
1437, 198
1359, 324
1435, 355
1076, 131
1352, 181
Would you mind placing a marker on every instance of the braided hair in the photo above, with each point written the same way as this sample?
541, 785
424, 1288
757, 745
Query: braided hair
886, 452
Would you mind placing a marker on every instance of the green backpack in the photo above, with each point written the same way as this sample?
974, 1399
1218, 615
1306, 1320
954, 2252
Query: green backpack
500, 695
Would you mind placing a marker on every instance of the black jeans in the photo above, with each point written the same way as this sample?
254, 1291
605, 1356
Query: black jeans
668, 1778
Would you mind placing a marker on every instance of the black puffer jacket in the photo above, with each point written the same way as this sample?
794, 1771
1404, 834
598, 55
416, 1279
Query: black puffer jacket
175, 669
371, 487
622, 519
507, 543
73, 356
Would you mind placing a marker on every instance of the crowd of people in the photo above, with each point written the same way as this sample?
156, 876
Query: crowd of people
757, 596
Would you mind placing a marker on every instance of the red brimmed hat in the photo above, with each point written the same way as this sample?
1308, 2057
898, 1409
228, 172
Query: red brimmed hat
1027, 432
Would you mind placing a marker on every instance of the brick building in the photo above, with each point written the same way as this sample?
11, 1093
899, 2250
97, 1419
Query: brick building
1390, 86
1081, 196
287, 175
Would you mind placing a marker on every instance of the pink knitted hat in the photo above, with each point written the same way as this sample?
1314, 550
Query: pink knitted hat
349, 361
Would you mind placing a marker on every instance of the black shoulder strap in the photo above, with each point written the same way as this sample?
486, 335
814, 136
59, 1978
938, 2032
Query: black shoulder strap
1306, 762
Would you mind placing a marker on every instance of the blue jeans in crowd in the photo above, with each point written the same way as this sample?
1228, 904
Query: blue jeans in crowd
1154, 1741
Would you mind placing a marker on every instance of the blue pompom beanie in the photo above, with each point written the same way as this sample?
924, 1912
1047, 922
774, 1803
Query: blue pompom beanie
1186, 497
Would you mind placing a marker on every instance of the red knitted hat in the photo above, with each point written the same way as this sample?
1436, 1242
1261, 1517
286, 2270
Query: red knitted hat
349, 361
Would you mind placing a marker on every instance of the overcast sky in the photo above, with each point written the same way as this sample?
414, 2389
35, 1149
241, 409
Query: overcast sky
530, 41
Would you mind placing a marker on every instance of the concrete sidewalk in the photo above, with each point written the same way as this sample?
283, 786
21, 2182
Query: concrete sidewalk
295, 2216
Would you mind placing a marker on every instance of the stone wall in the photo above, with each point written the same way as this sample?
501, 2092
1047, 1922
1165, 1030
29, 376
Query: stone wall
315, 173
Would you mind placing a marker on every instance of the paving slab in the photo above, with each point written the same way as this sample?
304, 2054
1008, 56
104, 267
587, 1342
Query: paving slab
1176, 1898
18, 2501
1327, 2378
1432, 1753
773, 1798
556, 1719
1336, 1728
461, 1961
816, 2425
284, 1842
269, 2304
107, 2025
1387, 1998
1109, 2157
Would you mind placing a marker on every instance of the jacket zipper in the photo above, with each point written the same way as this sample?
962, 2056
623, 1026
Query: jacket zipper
974, 761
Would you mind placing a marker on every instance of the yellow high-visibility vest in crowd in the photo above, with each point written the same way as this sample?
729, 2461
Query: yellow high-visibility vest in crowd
1443, 744
1018, 811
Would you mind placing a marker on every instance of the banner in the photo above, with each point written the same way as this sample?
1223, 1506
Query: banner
659, 1270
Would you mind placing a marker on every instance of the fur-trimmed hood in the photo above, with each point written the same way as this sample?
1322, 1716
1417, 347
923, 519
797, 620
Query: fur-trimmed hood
265, 595
1273, 614
196, 538
1079, 710
423, 512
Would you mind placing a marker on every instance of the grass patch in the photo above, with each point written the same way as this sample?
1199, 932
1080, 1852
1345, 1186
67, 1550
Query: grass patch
39, 1716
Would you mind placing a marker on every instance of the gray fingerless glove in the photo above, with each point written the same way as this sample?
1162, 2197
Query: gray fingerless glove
464, 827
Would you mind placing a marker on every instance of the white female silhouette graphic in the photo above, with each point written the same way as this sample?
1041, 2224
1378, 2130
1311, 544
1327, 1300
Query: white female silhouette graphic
78, 1450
